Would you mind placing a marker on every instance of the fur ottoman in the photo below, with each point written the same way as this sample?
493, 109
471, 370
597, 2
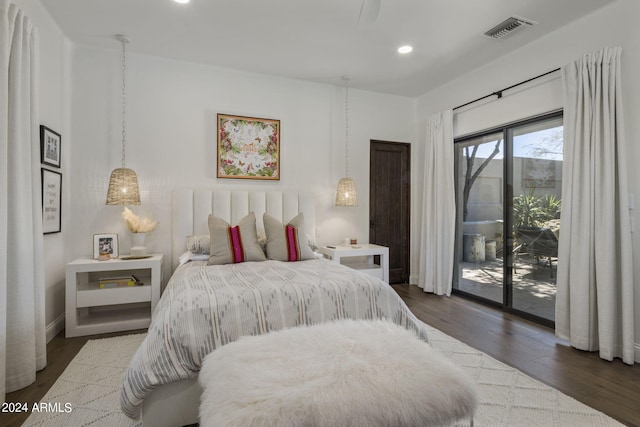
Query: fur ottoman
346, 373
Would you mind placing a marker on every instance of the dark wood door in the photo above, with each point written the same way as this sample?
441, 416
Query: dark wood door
389, 203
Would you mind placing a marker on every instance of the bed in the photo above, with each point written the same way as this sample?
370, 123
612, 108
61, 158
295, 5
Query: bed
206, 306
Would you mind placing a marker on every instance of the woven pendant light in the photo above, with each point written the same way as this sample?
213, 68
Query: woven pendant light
123, 184
123, 188
347, 194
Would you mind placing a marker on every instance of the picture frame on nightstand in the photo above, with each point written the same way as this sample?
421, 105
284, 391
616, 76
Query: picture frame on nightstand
104, 245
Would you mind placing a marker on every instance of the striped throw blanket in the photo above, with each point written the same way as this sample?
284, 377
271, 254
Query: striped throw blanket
205, 307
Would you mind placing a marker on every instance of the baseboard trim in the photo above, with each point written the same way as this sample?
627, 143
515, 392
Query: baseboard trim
413, 279
55, 327
637, 355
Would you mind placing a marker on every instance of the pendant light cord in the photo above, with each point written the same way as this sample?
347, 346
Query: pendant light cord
346, 124
124, 42
123, 184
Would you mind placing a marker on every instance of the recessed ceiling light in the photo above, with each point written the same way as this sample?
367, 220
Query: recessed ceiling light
405, 49
182, 1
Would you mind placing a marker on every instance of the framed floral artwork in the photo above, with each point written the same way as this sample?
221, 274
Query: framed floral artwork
248, 147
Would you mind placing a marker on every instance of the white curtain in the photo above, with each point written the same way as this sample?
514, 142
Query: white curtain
437, 239
22, 323
594, 305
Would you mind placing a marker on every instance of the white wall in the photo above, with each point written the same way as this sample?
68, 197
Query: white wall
54, 49
171, 139
171, 128
613, 25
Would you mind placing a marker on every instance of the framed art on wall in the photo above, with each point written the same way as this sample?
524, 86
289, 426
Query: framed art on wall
50, 146
248, 147
51, 201
105, 245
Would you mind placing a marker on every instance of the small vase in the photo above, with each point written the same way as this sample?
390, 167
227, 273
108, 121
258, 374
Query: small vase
138, 248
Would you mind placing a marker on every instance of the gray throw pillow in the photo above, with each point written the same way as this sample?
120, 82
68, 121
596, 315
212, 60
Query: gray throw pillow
199, 244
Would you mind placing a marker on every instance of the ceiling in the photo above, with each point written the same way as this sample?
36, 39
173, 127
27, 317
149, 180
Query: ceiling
320, 40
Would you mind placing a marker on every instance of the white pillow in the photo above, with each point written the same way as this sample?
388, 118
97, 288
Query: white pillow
190, 256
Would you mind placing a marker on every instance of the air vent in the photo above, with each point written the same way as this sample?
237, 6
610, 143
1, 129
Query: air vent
508, 27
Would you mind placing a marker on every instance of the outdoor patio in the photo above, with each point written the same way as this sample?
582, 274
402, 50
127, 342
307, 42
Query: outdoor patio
534, 290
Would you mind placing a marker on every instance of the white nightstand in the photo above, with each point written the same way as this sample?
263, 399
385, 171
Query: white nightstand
92, 310
338, 253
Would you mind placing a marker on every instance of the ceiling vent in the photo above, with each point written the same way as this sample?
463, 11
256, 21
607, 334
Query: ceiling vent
508, 27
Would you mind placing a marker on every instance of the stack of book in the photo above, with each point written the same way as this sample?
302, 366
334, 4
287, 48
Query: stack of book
119, 282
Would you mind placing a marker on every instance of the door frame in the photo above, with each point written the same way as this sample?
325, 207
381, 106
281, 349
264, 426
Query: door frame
507, 284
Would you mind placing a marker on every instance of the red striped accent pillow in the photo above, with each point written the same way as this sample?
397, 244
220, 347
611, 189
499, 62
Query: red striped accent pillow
287, 242
293, 247
232, 244
235, 244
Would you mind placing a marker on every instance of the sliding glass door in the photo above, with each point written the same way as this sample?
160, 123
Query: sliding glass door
508, 202
480, 211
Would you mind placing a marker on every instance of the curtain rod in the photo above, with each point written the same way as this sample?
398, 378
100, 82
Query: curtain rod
498, 93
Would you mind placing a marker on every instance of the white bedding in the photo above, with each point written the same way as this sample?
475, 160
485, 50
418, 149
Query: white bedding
205, 307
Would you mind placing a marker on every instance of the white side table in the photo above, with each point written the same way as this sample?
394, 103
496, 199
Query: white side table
92, 310
381, 271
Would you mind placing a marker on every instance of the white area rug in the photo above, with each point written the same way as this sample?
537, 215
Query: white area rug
91, 383
509, 398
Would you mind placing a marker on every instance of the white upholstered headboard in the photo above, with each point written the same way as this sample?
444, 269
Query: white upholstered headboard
190, 211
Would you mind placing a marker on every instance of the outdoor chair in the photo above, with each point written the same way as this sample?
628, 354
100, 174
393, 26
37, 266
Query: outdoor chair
539, 243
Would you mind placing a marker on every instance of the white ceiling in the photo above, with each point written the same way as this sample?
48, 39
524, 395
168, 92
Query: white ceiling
319, 40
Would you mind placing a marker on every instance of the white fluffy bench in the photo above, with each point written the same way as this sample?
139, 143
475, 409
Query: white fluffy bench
346, 373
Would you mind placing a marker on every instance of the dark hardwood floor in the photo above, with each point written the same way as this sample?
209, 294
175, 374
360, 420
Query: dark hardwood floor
611, 387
